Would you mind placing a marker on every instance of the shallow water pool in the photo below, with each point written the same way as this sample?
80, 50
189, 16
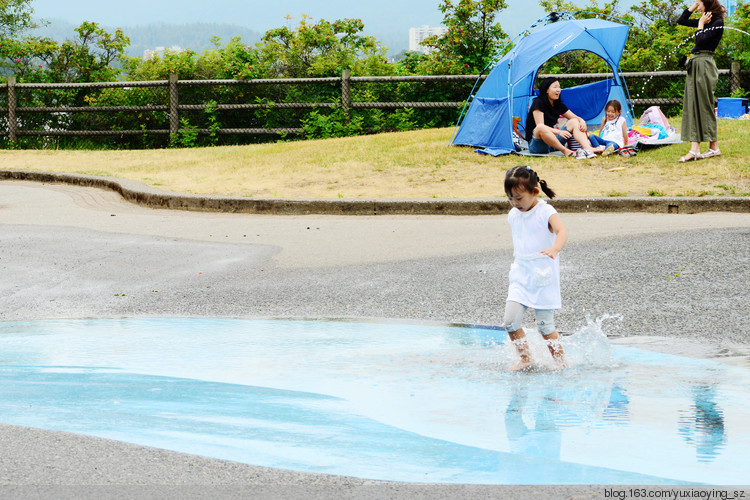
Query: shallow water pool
403, 402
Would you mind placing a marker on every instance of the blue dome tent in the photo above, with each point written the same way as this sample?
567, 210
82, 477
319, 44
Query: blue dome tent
509, 88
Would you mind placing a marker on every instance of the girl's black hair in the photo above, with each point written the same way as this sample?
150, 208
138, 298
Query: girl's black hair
525, 178
615, 104
545, 85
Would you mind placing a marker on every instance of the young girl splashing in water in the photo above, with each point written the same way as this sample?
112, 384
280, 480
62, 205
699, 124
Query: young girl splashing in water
538, 237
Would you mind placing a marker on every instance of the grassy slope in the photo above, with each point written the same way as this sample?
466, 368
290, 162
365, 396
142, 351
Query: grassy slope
417, 164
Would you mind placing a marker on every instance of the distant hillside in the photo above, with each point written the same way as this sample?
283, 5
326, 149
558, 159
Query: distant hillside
197, 36
194, 36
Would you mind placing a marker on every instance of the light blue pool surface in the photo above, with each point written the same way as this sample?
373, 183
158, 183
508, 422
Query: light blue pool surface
402, 402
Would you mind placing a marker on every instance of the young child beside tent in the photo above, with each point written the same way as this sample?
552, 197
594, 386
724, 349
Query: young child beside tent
613, 132
654, 129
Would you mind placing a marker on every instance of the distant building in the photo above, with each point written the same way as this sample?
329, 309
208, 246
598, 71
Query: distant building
416, 35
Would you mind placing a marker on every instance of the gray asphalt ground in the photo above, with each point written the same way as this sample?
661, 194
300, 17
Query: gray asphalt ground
671, 282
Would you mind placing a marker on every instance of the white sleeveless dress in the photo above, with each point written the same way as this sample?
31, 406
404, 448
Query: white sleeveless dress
534, 277
612, 131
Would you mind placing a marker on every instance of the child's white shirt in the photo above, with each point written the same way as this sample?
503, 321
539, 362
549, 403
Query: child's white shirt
534, 278
612, 131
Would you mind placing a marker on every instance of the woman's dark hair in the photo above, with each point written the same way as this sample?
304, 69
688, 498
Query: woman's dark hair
525, 178
545, 85
615, 104
715, 7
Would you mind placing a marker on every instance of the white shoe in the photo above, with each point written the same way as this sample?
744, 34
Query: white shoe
581, 154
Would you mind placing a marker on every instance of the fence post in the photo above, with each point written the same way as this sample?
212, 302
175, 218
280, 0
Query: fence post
12, 102
346, 92
174, 117
734, 76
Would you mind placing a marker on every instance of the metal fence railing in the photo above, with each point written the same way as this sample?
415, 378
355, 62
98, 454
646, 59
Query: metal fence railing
240, 109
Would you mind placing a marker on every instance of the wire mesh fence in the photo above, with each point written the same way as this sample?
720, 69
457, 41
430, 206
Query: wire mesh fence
178, 112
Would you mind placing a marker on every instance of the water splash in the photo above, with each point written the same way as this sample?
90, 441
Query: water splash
678, 49
587, 348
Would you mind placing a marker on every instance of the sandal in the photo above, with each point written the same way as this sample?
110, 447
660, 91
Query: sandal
711, 153
690, 156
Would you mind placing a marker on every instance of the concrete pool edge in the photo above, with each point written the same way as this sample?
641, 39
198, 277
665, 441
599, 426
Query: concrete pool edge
147, 196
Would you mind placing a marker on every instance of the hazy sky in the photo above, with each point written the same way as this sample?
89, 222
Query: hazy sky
378, 16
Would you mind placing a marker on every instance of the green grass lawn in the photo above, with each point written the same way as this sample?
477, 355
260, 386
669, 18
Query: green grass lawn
415, 164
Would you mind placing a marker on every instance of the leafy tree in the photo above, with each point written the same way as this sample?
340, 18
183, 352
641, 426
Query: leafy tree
321, 49
15, 18
735, 45
240, 61
87, 58
473, 36
580, 61
656, 13
186, 63
653, 43
90, 57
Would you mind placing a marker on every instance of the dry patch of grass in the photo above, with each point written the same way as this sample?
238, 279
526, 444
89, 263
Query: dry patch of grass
416, 164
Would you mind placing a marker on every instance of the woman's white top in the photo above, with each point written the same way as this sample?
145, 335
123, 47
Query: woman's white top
612, 131
534, 277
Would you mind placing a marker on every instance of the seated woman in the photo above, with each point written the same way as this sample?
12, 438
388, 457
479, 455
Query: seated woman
541, 135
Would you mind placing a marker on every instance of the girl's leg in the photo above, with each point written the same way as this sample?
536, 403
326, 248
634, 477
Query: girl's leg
545, 321
596, 141
556, 348
512, 323
522, 346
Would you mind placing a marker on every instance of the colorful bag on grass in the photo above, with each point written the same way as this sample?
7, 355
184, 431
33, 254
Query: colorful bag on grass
654, 116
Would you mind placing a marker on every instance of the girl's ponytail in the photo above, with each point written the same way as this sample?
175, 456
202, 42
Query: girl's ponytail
546, 189
526, 178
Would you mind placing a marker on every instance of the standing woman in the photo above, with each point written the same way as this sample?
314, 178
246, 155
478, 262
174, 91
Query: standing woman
698, 117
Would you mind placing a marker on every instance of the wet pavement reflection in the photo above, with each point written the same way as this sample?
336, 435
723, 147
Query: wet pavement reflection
404, 402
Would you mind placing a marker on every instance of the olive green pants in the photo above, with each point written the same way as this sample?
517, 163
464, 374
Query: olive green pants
698, 115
